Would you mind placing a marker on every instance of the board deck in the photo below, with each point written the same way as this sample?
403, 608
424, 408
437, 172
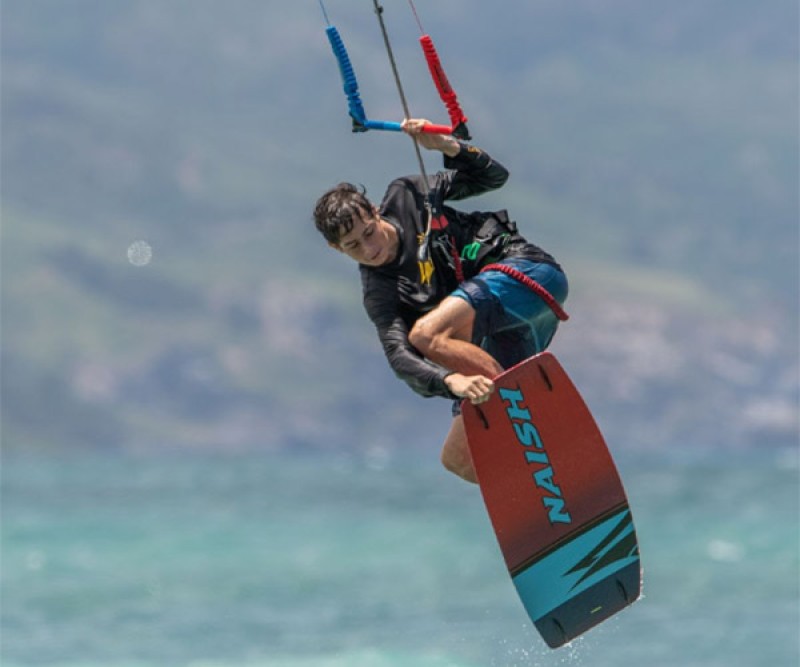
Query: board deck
555, 500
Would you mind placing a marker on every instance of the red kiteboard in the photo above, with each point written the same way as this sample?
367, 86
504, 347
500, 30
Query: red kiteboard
555, 500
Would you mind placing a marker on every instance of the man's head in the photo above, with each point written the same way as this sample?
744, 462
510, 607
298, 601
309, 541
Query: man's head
351, 224
337, 210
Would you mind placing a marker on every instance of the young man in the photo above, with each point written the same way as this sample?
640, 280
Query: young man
446, 327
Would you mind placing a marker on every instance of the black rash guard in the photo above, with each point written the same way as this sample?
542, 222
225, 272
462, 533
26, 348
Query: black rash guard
400, 292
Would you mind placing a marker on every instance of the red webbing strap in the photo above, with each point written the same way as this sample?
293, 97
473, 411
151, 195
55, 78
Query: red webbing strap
535, 287
457, 261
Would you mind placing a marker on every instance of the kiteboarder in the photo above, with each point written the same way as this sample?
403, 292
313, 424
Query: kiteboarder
456, 297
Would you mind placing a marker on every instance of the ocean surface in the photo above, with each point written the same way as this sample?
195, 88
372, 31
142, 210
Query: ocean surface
382, 560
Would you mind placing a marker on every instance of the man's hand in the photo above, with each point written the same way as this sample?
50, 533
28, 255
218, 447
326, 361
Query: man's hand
477, 388
438, 142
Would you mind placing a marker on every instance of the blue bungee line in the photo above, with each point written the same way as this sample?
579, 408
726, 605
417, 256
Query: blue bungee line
355, 107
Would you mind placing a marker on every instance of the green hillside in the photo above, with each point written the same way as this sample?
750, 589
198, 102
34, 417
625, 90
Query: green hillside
653, 149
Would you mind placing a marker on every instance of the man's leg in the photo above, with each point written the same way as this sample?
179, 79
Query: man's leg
445, 337
455, 452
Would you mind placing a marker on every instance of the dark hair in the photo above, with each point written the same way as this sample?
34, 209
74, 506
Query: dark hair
334, 214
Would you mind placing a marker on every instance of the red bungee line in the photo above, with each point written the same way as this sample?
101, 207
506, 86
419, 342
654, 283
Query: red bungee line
458, 120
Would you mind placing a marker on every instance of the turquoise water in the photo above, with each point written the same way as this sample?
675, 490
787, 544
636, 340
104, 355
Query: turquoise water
268, 560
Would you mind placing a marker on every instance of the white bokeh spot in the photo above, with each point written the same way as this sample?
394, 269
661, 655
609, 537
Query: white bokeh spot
140, 253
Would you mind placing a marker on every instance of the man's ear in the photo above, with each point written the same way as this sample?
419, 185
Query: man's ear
335, 246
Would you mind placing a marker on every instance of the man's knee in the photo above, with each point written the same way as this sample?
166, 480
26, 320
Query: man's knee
455, 453
460, 466
450, 320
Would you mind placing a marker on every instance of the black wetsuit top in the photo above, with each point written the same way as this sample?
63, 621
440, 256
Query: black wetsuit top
398, 293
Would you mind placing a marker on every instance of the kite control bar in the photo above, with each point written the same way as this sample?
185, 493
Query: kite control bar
361, 123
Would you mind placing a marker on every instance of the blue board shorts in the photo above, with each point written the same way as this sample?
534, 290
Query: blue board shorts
512, 322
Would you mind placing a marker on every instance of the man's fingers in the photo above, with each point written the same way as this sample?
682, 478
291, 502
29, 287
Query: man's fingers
481, 390
413, 125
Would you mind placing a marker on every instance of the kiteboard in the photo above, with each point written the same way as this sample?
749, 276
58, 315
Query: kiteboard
555, 500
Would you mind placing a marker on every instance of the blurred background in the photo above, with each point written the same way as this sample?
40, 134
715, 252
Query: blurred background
206, 459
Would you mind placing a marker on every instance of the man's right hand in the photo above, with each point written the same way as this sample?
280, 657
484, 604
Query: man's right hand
477, 388
438, 142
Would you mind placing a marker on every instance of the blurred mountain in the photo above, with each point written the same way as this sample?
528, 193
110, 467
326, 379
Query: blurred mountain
653, 150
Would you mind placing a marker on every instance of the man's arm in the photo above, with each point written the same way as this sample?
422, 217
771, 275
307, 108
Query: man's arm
380, 302
471, 171
423, 376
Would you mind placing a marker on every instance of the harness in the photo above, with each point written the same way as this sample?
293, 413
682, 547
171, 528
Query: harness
510, 271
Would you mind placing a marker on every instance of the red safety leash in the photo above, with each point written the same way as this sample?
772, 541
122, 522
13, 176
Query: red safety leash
540, 291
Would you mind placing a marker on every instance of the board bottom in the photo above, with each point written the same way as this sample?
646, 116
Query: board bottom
605, 599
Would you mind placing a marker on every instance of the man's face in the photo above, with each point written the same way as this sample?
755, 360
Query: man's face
373, 241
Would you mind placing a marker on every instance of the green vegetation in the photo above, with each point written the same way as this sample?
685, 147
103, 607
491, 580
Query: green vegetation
652, 149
